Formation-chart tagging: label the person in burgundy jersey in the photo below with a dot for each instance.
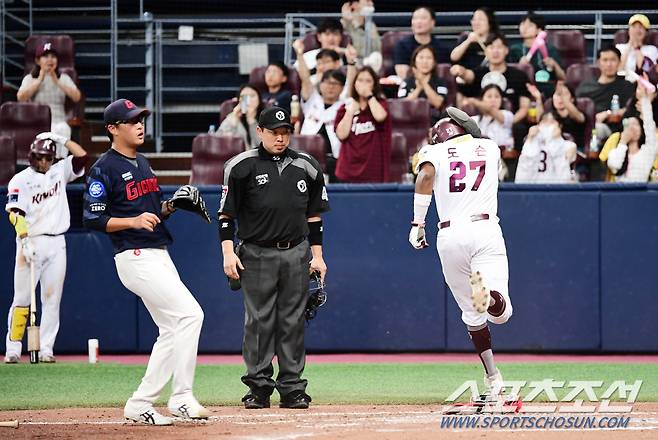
(364, 127)
(123, 199)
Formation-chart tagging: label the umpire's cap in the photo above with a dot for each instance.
(122, 110)
(274, 117)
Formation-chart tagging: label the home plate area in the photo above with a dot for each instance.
(320, 421)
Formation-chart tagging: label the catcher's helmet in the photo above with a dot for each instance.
(316, 295)
(46, 147)
(445, 129)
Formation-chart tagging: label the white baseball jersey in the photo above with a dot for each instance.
(42, 197)
(466, 180)
(545, 160)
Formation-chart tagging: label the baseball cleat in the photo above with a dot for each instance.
(12, 359)
(147, 416)
(47, 359)
(189, 410)
(480, 296)
(494, 384)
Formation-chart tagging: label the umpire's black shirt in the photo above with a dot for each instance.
(272, 196)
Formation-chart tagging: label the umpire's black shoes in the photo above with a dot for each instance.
(295, 400)
(254, 401)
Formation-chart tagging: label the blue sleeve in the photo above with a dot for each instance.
(95, 201)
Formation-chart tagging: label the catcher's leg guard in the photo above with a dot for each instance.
(18, 323)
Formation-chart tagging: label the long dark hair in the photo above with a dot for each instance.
(494, 28)
(243, 117)
(376, 88)
(640, 142)
(37, 68)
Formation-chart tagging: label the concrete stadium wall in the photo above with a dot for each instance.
(582, 276)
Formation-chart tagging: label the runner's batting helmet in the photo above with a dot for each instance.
(46, 147)
(445, 129)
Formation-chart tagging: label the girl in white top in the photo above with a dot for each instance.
(494, 121)
(634, 52)
(243, 120)
(46, 85)
(633, 158)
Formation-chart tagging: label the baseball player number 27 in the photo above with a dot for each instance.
(460, 168)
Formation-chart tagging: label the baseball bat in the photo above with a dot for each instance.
(33, 342)
(11, 424)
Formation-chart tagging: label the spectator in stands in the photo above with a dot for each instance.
(354, 19)
(517, 92)
(470, 49)
(423, 81)
(633, 158)
(603, 90)
(243, 120)
(635, 55)
(547, 70)
(422, 23)
(546, 156)
(494, 121)
(276, 77)
(329, 35)
(46, 85)
(320, 104)
(364, 127)
(567, 114)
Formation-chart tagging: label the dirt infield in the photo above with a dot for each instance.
(321, 422)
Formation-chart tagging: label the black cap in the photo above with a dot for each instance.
(122, 110)
(274, 117)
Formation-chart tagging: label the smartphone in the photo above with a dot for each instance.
(244, 104)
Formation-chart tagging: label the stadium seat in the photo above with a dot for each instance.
(209, 154)
(525, 68)
(389, 40)
(585, 105)
(63, 45)
(257, 78)
(7, 159)
(412, 119)
(310, 42)
(570, 44)
(399, 159)
(312, 144)
(621, 37)
(225, 108)
(443, 71)
(22, 121)
(577, 73)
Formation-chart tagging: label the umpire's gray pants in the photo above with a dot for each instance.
(275, 285)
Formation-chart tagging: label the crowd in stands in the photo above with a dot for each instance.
(554, 122)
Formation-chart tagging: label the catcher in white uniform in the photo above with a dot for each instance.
(39, 211)
(462, 170)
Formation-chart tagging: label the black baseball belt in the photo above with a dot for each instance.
(281, 245)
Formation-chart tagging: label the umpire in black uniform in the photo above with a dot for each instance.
(276, 195)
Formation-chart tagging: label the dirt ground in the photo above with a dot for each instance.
(319, 422)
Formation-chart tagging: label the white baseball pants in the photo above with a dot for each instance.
(151, 275)
(466, 247)
(49, 273)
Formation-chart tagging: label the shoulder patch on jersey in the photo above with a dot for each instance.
(13, 196)
(96, 189)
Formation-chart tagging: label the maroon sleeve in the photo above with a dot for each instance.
(339, 115)
(79, 163)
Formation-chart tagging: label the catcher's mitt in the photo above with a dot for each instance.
(317, 296)
(187, 197)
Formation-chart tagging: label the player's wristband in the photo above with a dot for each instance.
(315, 233)
(226, 229)
(421, 205)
